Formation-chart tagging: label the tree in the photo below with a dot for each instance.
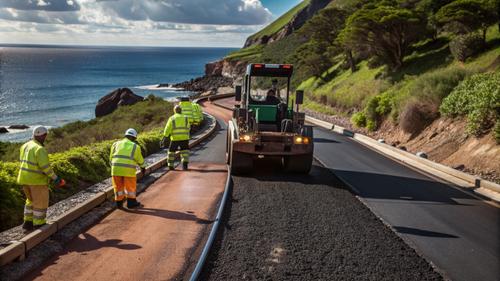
(465, 16)
(385, 30)
(322, 31)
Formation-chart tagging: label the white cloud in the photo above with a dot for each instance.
(43, 5)
(134, 22)
(228, 12)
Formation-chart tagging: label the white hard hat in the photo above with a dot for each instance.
(39, 131)
(131, 132)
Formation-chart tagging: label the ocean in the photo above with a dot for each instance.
(55, 85)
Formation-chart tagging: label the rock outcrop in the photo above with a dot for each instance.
(226, 68)
(205, 83)
(297, 22)
(111, 101)
(19, 127)
(3, 130)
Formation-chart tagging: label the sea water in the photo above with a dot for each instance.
(55, 85)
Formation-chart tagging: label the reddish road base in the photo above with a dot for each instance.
(152, 243)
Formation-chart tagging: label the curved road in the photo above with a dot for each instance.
(456, 231)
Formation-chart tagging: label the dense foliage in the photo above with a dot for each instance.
(478, 98)
(384, 30)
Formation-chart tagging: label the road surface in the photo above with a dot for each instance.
(455, 230)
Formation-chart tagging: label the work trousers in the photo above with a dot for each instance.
(124, 187)
(37, 202)
(182, 147)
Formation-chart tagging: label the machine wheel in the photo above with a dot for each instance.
(240, 163)
(298, 163)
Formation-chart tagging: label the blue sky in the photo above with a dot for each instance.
(278, 7)
(218, 23)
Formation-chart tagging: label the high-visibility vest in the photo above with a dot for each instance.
(125, 156)
(35, 167)
(177, 128)
(187, 110)
(197, 113)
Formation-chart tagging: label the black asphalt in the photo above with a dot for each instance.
(458, 232)
(280, 226)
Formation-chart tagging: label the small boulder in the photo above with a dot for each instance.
(3, 130)
(111, 101)
(459, 167)
(422, 155)
(19, 127)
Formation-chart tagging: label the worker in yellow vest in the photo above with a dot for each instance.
(187, 109)
(34, 174)
(197, 114)
(177, 129)
(125, 156)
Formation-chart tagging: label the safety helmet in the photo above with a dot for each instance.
(131, 132)
(39, 131)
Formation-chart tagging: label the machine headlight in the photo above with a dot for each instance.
(246, 138)
(301, 140)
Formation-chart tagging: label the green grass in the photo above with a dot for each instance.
(251, 53)
(143, 116)
(254, 52)
(280, 22)
(429, 75)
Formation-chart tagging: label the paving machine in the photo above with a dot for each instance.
(266, 121)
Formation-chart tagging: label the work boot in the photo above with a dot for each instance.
(184, 166)
(37, 226)
(133, 203)
(28, 226)
(119, 204)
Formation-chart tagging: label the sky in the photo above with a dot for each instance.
(194, 23)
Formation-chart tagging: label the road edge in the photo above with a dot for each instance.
(464, 181)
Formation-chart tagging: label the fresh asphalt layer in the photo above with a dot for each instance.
(456, 231)
(282, 226)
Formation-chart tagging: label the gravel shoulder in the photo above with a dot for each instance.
(280, 226)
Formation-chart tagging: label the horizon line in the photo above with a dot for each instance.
(108, 46)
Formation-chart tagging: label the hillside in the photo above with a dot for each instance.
(397, 66)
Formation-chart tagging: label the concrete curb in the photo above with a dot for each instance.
(18, 249)
(486, 188)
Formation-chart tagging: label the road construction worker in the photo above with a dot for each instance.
(197, 114)
(177, 129)
(34, 175)
(187, 109)
(125, 156)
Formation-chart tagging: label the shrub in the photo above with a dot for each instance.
(359, 119)
(11, 199)
(478, 98)
(497, 131)
(416, 115)
(466, 45)
(371, 125)
(436, 85)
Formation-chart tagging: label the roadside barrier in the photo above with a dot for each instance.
(486, 188)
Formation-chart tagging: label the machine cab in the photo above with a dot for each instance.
(265, 97)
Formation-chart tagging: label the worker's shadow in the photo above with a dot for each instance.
(90, 243)
(167, 214)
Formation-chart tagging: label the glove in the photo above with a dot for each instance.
(163, 142)
(143, 171)
(59, 182)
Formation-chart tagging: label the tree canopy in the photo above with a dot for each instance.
(385, 30)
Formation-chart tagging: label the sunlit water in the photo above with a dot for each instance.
(54, 85)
